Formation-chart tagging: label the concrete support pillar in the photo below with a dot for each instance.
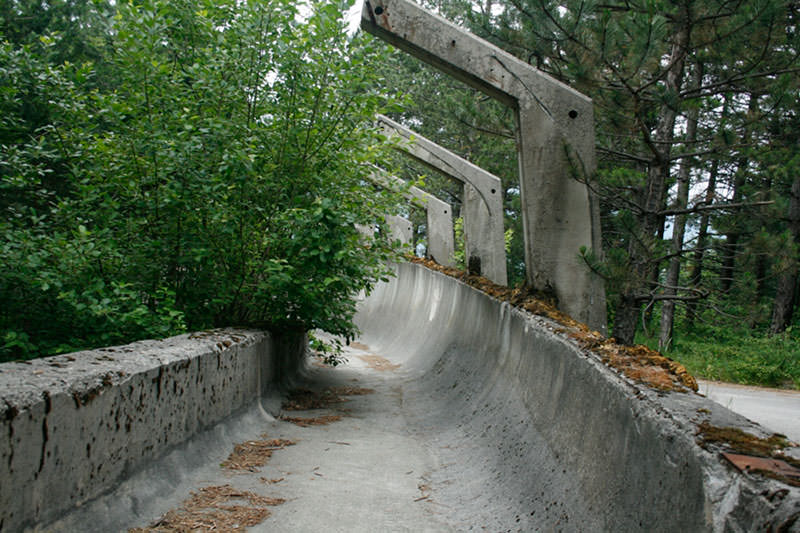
(555, 142)
(400, 229)
(482, 199)
(367, 231)
(439, 216)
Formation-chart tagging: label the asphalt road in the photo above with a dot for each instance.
(776, 409)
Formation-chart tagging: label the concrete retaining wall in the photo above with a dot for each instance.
(75, 425)
(523, 398)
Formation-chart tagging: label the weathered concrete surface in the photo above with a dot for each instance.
(439, 214)
(537, 434)
(75, 425)
(364, 473)
(555, 143)
(482, 417)
(482, 198)
(400, 228)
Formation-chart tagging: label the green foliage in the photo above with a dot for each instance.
(214, 178)
(458, 254)
(750, 358)
(330, 352)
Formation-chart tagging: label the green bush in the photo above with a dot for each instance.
(206, 170)
(753, 360)
(743, 355)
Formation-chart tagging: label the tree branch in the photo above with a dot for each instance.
(632, 157)
(702, 91)
(713, 207)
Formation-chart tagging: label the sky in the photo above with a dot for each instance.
(354, 17)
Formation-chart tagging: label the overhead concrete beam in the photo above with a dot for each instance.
(482, 199)
(400, 229)
(441, 243)
(555, 142)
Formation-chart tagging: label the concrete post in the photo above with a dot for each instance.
(439, 216)
(482, 199)
(367, 231)
(400, 229)
(555, 142)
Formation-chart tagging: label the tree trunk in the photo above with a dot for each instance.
(655, 267)
(728, 261)
(679, 225)
(785, 293)
(696, 275)
(731, 247)
(626, 318)
(641, 252)
(763, 259)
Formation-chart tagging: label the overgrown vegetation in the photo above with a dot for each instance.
(174, 166)
(725, 354)
(178, 165)
(696, 122)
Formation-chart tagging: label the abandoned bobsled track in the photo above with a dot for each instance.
(455, 411)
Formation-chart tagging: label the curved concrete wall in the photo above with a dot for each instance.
(550, 427)
(73, 426)
(525, 431)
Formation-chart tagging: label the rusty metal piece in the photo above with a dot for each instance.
(748, 463)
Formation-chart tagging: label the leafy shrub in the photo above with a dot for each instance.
(212, 177)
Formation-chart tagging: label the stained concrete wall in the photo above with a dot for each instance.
(531, 433)
(549, 434)
(75, 425)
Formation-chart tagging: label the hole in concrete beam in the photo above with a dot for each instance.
(573, 114)
(378, 10)
(493, 191)
(453, 42)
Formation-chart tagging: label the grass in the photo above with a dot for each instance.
(744, 357)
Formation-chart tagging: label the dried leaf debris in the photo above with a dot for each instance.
(306, 399)
(740, 441)
(252, 454)
(217, 508)
(305, 422)
(638, 363)
(351, 391)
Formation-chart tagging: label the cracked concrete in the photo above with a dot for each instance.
(482, 417)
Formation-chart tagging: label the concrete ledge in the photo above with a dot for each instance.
(550, 422)
(74, 425)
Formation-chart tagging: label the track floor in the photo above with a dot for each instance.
(353, 463)
(368, 471)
